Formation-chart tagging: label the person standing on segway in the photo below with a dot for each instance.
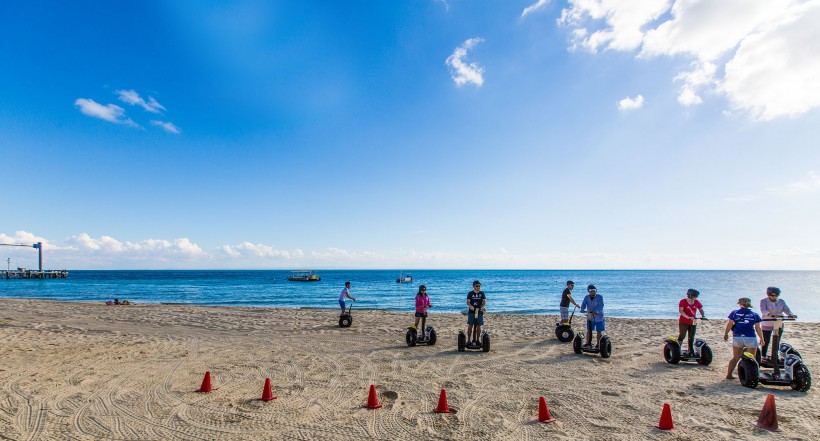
(744, 324)
(688, 308)
(422, 305)
(566, 299)
(593, 304)
(345, 294)
(476, 300)
(772, 307)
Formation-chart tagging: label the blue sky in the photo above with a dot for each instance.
(426, 134)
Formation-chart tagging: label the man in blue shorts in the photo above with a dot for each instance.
(476, 300)
(593, 304)
(345, 294)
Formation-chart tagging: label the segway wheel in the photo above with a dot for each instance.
(802, 378)
(345, 321)
(410, 337)
(671, 352)
(747, 372)
(485, 343)
(576, 344)
(462, 341)
(606, 347)
(432, 336)
(564, 333)
(705, 355)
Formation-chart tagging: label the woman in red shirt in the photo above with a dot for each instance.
(688, 308)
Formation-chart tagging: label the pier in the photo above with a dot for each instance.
(23, 273)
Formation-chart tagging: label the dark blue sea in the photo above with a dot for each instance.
(652, 294)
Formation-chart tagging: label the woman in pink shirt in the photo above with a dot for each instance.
(422, 305)
(688, 308)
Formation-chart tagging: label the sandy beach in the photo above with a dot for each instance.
(91, 371)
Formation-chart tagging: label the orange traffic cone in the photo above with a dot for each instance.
(544, 412)
(267, 394)
(768, 415)
(442, 403)
(206, 383)
(666, 418)
(372, 399)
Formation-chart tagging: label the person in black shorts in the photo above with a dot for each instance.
(566, 299)
(476, 300)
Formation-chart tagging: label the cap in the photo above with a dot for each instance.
(591, 287)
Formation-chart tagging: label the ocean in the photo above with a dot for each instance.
(641, 294)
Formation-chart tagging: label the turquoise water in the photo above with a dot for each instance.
(653, 294)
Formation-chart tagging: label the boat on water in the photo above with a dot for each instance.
(405, 279)
(303, 276)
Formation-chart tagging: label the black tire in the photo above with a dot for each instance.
(462, 341)
(747, 372)
(671, 352)
(345, 321)
(410, 337)
(802, 378)
(705, 355)
(564, 333)
(485, 343)
(606, 347)
(576, 344)
(432, 340)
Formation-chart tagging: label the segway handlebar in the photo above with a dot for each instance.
(779, 319)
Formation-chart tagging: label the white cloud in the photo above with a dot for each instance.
(624, 20)
(461, 72)
(766, 49)
(111, 112)
(807, 186)
(631, 103)
(534, 7)
(167, 126)
(132, 97)
(151, 248)
(248, 249)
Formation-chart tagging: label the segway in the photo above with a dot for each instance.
(429, 337)
(784, 349)
(563, 330)
(604, 349)
(345, 319)
(794, 372)
(673, 355)
(474, 343)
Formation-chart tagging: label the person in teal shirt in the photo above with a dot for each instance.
(593, 305)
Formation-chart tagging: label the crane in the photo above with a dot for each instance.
(38, 246)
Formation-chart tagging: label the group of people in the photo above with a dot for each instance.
(592, 305)
(749, 329)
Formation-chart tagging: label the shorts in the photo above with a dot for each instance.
(421, 314)
(596, 326)
(471, 320)
(740, 341)
(564, 313)
(342, 304)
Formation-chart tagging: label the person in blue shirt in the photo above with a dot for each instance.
(744, 324)
(593, 304)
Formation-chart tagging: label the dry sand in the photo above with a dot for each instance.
(90, 371)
